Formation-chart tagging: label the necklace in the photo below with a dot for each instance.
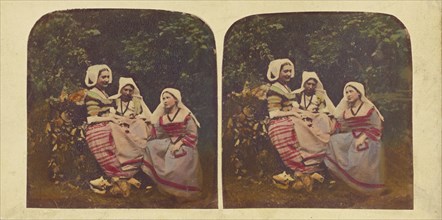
(357, 111)
(173, 118)
(309, 103)
(121, 106)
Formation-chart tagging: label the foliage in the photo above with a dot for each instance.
(184, 58)
(370, 48)
(247, 51)
(56, 56)
(340, 47)
(250, 152)
(70, 157)
(157, 48)
(365, 47)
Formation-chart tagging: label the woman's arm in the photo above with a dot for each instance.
(374, 132)
(190, 138)
(274, 104)
(93, 110)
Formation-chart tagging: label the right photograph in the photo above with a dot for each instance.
(317, 112)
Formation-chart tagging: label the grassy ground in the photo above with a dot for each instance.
(43, 193)
(261, 193)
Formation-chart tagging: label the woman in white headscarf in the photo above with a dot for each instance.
(312, 95)
(285, 123)
(171, 158)
(131, 133)
(99, 119)
(355, 153)
(316, 109)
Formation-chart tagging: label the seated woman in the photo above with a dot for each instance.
(285, 127)
(171, 158)
(316, 110)
(130, 135)
(99, 129)
(355, 153)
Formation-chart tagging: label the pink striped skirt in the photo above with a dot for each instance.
(284, 138)
(102, 145)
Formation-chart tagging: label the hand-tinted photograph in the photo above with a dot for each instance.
(317, 112)
(122, 110)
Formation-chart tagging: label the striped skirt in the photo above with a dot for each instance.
(283, 138)
(102, 145)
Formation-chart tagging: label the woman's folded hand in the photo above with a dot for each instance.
(176, 147)
(360, 140)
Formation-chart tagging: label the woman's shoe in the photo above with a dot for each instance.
(120, 187)
(97, 190)
(318, 177)
(125, 188)
(283, 178)
(97, 183)
(134, 182)
(307, 181)
(298, 185)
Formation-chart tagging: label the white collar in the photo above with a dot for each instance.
(285, 88)
(99, 92)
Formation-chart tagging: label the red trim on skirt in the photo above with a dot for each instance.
(353, 180)
(169, 183)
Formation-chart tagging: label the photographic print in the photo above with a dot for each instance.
(317, 112)
(220, 109)
(121, 110)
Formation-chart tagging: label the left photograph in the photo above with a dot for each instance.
(121, 110)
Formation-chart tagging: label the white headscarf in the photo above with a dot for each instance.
(160, 110)
(275, 69)
(124, 81)
(343, 105)
(319, 89)
(92, 74)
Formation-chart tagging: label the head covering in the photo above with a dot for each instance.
(343, 105)
(319, 89)
(124, 81)
(275, 69)
(160, 110)
(92, 74)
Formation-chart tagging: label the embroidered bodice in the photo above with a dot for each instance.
(280, 98)
(97, 103)
(369, 123)
(182, 127)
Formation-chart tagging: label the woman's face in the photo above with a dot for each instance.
(103, 79)
(285, 74)
(351, 94)
(168, 100)
(310, 86)
(127, 91)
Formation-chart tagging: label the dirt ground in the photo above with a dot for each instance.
(42, 193)
(255, 192)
